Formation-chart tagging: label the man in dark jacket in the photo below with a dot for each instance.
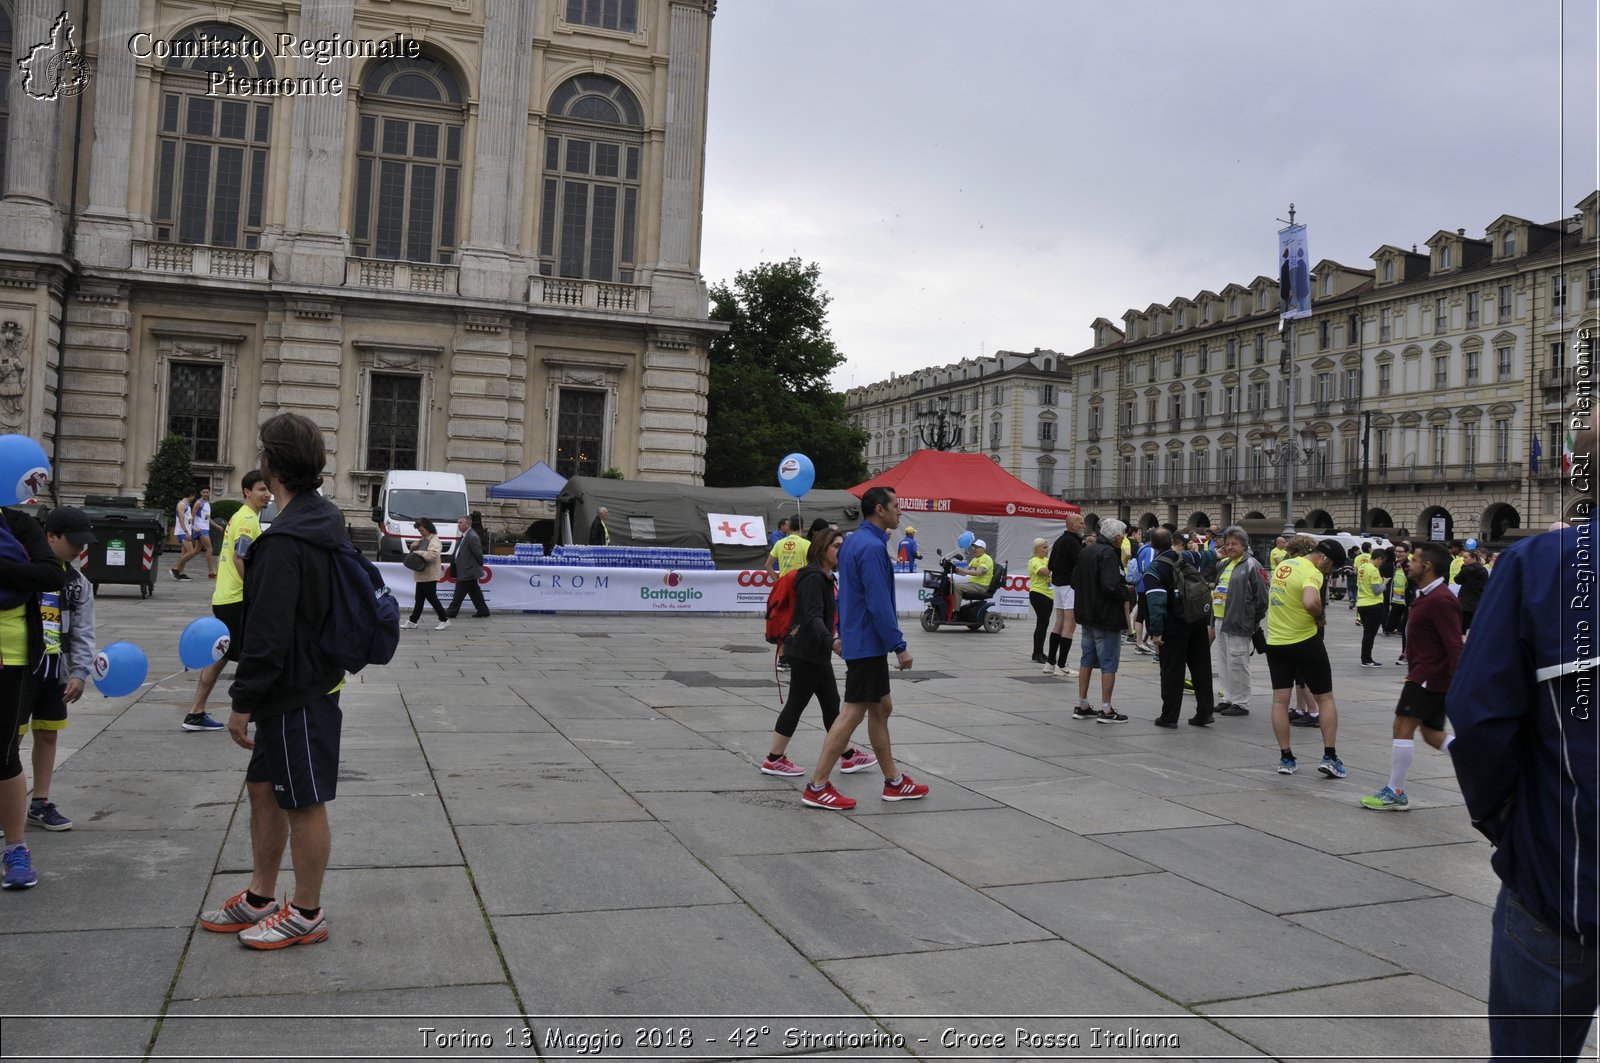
(1182, 645)
(599, 530)
(290, 691)
(1099, 592)
(467, 568)
(1470, 582)
(1063, 563)
(1525, 753)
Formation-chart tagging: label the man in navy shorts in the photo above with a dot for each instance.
(290, 691)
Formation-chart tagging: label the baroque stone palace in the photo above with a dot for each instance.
(458, 234)
(1431, 377)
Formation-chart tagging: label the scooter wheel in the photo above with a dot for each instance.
(929, 621)
(993, 623)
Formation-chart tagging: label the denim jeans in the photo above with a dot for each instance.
(1543, 987)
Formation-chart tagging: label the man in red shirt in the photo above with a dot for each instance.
(1433, 647)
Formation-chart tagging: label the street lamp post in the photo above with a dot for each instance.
(1292, 453)
(937, 430)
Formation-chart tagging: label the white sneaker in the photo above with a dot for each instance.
(1049, 669)
(441, 625)
(1066, 673)
(409, 625)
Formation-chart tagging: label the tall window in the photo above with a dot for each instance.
(1324, 334)
(1441, 315)
(1261, 349)
(1380, 447)
(1230, 400)
(1474, 358)
(1047, 479)
(1469, 446)
(1385, 378)
(1175, 408)
(1438, 447)
(1502, 363)
(1096, 420)
(1177, 363)
(620, 15)
(589, 214)
(1091, 475)
(1508, 243)
(408, 162)
(1502, 441)
(1232, 359)
(1205, 359)
(1504, 313)
(1227, 464)
(1324, 388)
(1472, 309)
(1047, 394)
(1558, 294)
(1384, 324)
(1047, 433)
(580, 432)
(1441, 372)
(1127, 470)
(1593, 294)
(394, 422)
(1201, 401)
(211, 153)
(1128, 415)
(1150, 471)
(1353, 330)
(194, 407)
(1352, 384)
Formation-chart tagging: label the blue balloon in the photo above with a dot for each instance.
(24, 469)
(1472, 544)
(965, 539)
(796, 474)
(119, 669)
(204, 642)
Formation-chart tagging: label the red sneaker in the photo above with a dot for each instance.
(828, 797)
(857, 760)
(906, 790)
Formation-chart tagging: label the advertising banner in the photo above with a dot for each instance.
(1294, 273)
(540, 588)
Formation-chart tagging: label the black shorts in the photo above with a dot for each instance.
(42, 706)
(231, 614)
(298, 753)
(1307, 660)
(1419, 704)
(866, 680)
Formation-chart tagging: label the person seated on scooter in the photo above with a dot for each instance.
(979, 572)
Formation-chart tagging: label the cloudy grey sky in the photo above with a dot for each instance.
(996, 175)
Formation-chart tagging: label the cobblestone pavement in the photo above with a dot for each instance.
(542, 818)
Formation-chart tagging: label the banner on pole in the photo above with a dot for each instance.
(1294, 274)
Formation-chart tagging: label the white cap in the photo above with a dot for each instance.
(980, 542)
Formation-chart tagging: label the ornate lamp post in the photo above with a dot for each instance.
(938, 430)
(1293, 452)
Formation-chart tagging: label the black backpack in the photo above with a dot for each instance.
(1194, 596)
(363, 623)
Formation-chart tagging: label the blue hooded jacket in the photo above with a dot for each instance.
(1523, 705)
(868, 625)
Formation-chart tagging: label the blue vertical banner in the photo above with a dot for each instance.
(1294, 274)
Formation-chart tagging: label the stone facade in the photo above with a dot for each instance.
(1017, 408)
(538, 181)
(1457, 356)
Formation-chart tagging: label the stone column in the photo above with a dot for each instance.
(677, 288)
(302, 359)
(96, 408)
(672, 414)
(489, 264)
(30, 219)
(105, 232)
(487, 394)
(315, 248)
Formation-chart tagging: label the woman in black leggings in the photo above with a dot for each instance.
(27, 566)
(809, 648)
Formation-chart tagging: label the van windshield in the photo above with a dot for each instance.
(441, 507)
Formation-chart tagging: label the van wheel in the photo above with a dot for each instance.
(929, 621)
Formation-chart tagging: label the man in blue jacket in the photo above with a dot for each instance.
(869, 631)
(1523, 706)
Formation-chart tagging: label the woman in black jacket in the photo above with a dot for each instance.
(809, 648)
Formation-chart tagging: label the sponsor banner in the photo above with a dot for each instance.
(540, 588)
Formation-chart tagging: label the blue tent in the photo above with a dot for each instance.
(541, 481)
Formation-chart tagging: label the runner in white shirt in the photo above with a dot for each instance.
(201, 514)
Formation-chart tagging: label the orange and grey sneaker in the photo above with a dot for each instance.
(236, 913)
(286, 927)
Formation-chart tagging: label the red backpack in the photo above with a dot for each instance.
(780, 607)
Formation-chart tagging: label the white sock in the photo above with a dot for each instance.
(1400, 757)
(1105, 706)
(1447, 740)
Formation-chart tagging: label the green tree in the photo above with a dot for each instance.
(169, 474)
(769, 391)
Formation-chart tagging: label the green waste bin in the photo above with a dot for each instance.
(129, 549)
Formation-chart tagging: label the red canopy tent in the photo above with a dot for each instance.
(943, 493)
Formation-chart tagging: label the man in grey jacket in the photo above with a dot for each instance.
(467, 568)
(1239, 604)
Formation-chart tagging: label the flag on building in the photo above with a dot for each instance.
(1566, 455)
(1534, 454)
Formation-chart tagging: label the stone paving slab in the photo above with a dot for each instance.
(660, 733)
(105, 801)
(1190, 943)
(1272, 874)
(1444, 868)
(510, 797)
(756, 822)
(587, 867)
(1002, 847)
(430, 933)
(1163, 774)
(867, 903)
(1442, 938)
(510, 716)
(1351, 1019)
(968, 762)
(85, 973)
(391, 831)
(1325, 814)
(1087, 805)
(513, 751)
(1056, 738)
(112, 877)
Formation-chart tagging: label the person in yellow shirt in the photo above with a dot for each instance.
(1369, 606)
(1458, 557)
(1278, 554)
(790, 552)
(227, 600)
(979, 572)
(1040, 595)
(1295, 617)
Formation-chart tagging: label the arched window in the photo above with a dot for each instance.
(211, 152)
(589, 213)
(408, 162)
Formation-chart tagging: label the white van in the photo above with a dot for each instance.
(409, 494)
